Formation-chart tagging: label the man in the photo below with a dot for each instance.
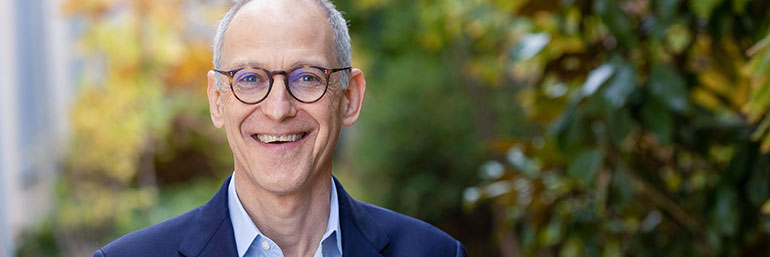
(282, 89)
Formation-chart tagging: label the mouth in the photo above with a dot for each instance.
(270, 139)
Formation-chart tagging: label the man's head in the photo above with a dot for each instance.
(280, 144)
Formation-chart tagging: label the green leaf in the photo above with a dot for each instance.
(623, 188)
(585, 166)
(596, 78)
(619, 124)
(763, 126)
(739, 6)
(621, 86)
(567, 128)
(616, 21)
(756, 188)
(668, 12)
(658, 120)
(612, 249)
(725, 219)
(572, 248)
(760, 101)
(668, 8)
(704, 8)
(529, 46)
(666, 84)
(553, 232)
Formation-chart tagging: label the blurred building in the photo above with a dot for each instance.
(36, 85)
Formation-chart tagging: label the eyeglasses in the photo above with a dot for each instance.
(306, 83)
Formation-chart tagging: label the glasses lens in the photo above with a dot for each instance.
(307, 84)
(251, 85)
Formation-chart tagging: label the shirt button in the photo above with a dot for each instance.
(265, 245)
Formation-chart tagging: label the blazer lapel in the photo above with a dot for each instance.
(210, 232)
(361, 236)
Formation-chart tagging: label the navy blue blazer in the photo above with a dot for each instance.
(367, 230)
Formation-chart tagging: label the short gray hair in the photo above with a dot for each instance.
(337, 23)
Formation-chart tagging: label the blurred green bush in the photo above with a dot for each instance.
(613, 128)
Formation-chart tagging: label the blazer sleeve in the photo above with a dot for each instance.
(98, 253)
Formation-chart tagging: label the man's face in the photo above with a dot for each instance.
(280, 35)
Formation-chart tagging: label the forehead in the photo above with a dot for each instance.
(278, 33)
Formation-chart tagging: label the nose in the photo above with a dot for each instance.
(279, 104)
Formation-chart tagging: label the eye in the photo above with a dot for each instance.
(249, 78)
(307, 78)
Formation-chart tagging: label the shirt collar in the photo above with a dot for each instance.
(333, 226)
(246, 231)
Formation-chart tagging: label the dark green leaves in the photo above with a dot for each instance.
(725, 216)
(616, 20)
(585, 166)
(669, 87)
(658, 120)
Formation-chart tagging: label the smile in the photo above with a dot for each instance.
(269, 139)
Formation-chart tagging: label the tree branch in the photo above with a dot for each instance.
(662, 201)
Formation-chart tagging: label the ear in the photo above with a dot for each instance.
(354, 97)
(215, 100)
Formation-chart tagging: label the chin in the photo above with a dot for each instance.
(283, 180)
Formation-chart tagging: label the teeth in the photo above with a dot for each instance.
(285, 138)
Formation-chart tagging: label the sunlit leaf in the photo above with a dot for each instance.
(596, 78)
(552, 233)
(761, 129)
(529, 46)
(766, 207)
(620, 87)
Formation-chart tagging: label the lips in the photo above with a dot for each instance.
(273, 139)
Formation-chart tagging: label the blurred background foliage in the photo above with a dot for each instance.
(522, 128)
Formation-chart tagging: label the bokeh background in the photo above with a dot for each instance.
(520, 127)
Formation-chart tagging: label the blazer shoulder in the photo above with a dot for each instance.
(417, 236)
(161, 239)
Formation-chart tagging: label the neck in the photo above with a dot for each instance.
(295, 221)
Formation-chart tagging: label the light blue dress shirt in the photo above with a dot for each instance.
(251, 243)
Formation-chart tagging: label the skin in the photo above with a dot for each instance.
(284, 188)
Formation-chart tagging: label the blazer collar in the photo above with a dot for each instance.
(210, 232)
(361, 236)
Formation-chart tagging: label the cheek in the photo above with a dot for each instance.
(235, 114)
(335, 105)
(331, 122)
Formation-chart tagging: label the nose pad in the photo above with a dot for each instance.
(279, 105)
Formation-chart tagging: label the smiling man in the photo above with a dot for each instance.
(282, 88)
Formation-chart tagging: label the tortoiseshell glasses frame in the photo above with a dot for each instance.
(252, 85)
